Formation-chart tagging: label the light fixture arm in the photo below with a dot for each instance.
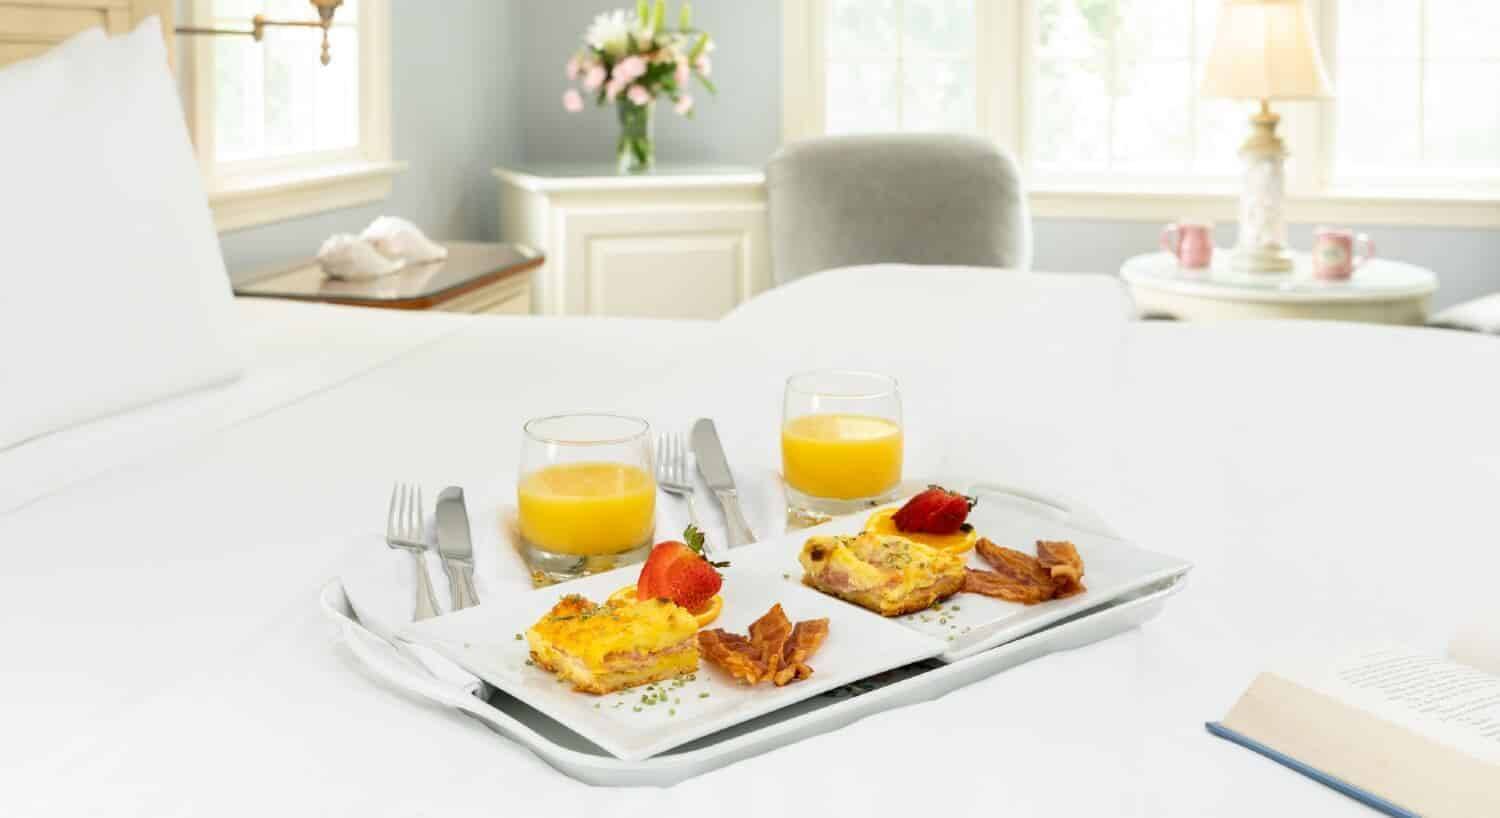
(259, 23)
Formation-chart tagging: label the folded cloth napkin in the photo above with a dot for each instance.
(351, 258)
(400, 239)
(381, 583)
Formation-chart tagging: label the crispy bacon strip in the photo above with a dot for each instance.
(1063, 564)
(805, 640)
(775, 650)
(732, 652)
(1000, 586)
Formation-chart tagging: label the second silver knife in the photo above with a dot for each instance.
(715, 469)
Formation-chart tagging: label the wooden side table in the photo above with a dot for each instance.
(477, 277)
(1380, 292)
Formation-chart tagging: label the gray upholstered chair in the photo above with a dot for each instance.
(907, 198)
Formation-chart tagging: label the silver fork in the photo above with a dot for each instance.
(404, 530)
(672, 472)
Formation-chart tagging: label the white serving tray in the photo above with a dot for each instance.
(576, 756)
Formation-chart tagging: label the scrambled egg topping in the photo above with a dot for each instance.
(892, 566)
(578, 627)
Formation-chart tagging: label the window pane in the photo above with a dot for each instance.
(1152, 127)
(1463, 28)
(1223, 125)
(1065, 30)
(939, 96)
(1379, 28)
(938, 27)
(1155, 28)
(863, 28)
(1073, 115)
(861, 97)
(275, 98)
(1463, 124)
(1377, 105)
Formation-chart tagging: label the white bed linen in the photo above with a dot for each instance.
(165, 656)
(296, 350)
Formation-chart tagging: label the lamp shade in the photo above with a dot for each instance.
(1264, 49)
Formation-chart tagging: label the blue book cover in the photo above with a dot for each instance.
(1361, 795)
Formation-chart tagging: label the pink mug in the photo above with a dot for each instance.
(1337, 253)
(1191, 242)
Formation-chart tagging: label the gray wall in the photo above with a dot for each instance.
(454, 115)
(743, 124)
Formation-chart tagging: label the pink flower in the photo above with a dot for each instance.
(684, 104)
(630, 68)
(639, 95)
(613, 89)
(572, 101)
(704, 65)
(594, 78)
(574, 68)
(680, 74)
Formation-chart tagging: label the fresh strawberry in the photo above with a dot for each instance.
(934, 511)
(678, 571)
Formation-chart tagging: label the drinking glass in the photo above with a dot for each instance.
(586, 494)
(841, 443)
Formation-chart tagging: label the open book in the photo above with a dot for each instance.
(1406, 733)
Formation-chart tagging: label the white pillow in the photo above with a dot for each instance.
(113, 291)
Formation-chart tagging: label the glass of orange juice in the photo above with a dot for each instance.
(841, 443)
(586, 497)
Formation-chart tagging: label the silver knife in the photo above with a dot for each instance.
(455, 547)
(715, 470)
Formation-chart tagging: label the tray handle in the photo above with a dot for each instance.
(1077, 515)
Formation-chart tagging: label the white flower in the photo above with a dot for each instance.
(610, 33)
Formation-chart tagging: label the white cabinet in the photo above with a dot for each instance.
(680, 242)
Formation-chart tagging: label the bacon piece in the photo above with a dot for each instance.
(732, 652)
(775, 650)
(1063, 565)
(805, 640)
(990, 583)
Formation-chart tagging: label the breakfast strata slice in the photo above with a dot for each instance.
(889, 575)
(604, 648)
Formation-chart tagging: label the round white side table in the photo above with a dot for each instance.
(1380, 292)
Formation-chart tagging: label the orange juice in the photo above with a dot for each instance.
(587, 509)
(841, 457)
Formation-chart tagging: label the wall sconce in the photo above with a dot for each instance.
(259, 23)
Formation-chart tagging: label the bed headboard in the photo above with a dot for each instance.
(29, 27)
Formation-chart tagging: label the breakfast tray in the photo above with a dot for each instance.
(576, 756)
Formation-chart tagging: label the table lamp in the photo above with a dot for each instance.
(1264, 50)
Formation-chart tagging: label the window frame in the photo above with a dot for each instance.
(247, 193)
(1005, 111)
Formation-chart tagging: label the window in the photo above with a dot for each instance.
(1099, 100)
(1418, 88)
(278, 133)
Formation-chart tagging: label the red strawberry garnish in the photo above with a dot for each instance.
(679, 572)
(934, 511)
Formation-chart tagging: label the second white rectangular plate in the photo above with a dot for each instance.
(483, 640)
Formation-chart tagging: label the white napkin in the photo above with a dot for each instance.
(381, 582)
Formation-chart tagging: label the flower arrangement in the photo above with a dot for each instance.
(629, 59)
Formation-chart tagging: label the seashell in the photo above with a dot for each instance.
(398, 238)
(351, 258)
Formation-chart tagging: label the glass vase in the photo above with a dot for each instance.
(636, 149)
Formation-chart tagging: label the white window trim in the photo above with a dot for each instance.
(271, 191)
(1002, 28)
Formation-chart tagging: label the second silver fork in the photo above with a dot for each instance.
(672, 472)
(405, 529)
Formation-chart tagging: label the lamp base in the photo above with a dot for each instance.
(1262, 260)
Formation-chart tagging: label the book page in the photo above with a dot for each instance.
(1445, 701)
(1477, 643)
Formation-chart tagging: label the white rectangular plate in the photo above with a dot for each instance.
(483, 641)
(970, 623)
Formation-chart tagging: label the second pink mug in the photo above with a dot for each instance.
(1191, 242)
(1337, 253)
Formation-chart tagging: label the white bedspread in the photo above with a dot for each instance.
(164, 655)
